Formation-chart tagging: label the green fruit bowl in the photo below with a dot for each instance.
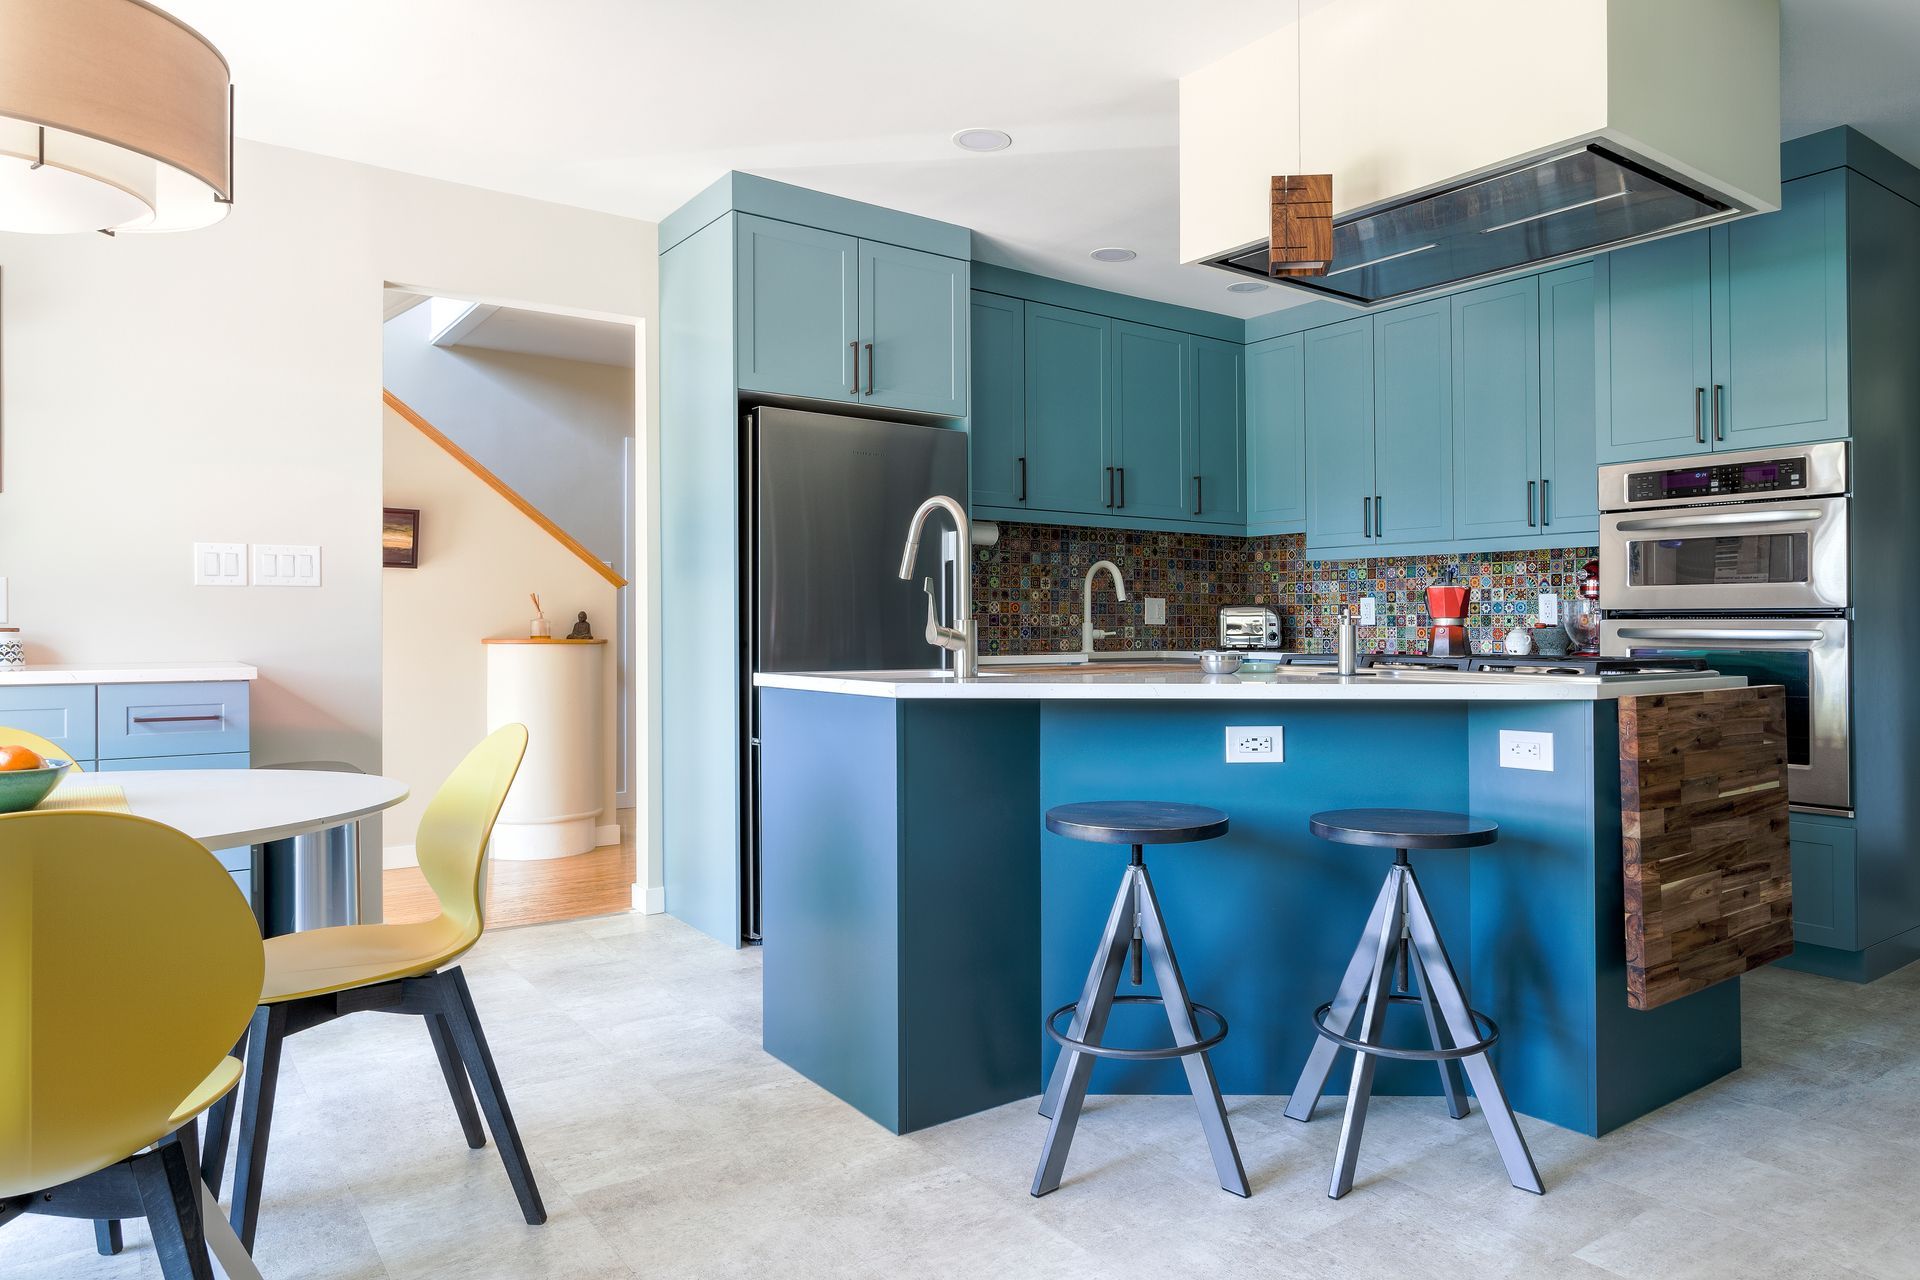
(21, 789)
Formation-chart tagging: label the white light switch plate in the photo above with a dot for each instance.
(1549, 608)
(1369, 611)
(3, 599)
(1156, 611)
(1524, 749)
(276, 565)
(219, 564)
(1256, 744)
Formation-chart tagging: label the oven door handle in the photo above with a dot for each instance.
(1787, 634)
(1658, 524)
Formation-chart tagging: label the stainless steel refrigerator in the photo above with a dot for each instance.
(828, 500)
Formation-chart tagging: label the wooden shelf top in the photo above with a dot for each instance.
(539, 640)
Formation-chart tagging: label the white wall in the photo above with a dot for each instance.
(225, 385)
(480, 556)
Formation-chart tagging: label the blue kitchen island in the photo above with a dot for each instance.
(918, 920)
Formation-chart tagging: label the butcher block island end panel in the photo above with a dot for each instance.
(1704, 846)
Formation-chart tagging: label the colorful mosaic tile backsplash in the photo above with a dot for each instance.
(1027, 589)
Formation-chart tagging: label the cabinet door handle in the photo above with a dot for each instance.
(1546, 493)
(214, 719)
(1531, 484)
(1023, 479)
(1719, 418)
(1109, 487)
(1199, 503)
(854, 346)
(1379, 516)
(1120, 473)
(1700, 415)
(1366, 517)
(869, 368)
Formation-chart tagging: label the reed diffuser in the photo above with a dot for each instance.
(538, 628)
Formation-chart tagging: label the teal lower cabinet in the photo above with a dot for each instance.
(63, 714)
(1824, 882)
(1276, 436)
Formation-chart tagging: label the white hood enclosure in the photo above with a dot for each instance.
(1473, 138)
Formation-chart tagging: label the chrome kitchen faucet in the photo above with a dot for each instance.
(963, 637)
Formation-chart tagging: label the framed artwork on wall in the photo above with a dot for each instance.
(400, 538)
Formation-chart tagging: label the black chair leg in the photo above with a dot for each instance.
(213, 1148)
(107, 1238)
(456, 1076)
(168, 1179)
(256, 1117)
(468, 1038)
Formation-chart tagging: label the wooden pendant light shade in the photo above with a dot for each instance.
(1302, 240)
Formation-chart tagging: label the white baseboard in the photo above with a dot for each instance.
(398, 855)
(604, 836)
(650, 902)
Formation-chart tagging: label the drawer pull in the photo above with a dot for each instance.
(177, 719)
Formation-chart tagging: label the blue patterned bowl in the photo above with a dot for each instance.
(21, 789)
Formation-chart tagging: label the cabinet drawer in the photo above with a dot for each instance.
(1824, 882)
(62, 714)
(139, 721)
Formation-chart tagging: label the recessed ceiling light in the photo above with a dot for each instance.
(982, 140)
(1246, 286)
(1113, 254)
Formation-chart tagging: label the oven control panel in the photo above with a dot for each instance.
(1732, 479)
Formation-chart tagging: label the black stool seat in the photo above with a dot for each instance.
(1136, 822)
(1403, 828)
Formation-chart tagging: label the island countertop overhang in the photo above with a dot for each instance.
(1194, 686)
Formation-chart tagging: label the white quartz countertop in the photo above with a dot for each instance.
(1298, 684)
(130, 673)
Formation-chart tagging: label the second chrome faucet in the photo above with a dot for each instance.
(1088, 632)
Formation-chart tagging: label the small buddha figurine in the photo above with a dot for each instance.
(581, 631)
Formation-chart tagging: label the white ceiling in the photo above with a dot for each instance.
(631, 106)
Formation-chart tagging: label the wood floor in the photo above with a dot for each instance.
(589, 884)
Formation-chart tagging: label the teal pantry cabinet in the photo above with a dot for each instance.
(830, 316)
(1732, 338)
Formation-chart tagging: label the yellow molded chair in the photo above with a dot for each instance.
(323, 974)
(34, 743)
(129, 964)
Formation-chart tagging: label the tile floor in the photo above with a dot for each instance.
(667, 1144)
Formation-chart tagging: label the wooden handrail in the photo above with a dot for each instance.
(499, 486)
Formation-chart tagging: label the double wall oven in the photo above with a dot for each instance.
(1740, 558)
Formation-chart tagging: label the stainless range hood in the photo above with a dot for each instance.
(1575, 202)
(1471, 141)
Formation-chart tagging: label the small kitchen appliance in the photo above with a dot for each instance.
(1246, 626)
(1447, 611)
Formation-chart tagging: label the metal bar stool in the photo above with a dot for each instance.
(1134, 926)
(1400, 942)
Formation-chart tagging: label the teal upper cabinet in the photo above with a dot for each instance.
(1569, 487)
(1069, 369)
(1496, 410)
(798, 309)
(913, 330)
(1780, 320)
(1148, 441)
(833, 317)
(1654, 340)
(1338, 361)
(1216, 382)
(1413, 423)
(998, 428)
(1734, 338)
(1276, 436)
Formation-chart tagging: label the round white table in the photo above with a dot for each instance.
(225, 808)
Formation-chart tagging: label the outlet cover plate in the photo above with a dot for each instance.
(1525, 749)
(1549, 608)
(1256, 744)
(219, 564)
(1156, 611)
(1369, 611)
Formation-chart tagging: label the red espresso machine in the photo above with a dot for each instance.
(1447, 612)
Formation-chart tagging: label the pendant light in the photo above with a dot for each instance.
(1301, 239)
(114, 116)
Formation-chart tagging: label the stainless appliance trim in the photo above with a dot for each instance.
(1825, 782)
(1828, 472)
(1824, 520)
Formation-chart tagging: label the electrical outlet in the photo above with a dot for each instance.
(1524, 749)
(1549, 608)
(1369, 611)
(1156, 611)
(219, 564)
(1255, 744)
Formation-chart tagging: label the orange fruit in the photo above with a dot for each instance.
(20, 758)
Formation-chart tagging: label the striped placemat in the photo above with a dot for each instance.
(103, 796)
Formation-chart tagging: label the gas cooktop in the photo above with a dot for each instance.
(1533, 664)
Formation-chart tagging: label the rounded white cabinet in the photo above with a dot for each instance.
(555, 688)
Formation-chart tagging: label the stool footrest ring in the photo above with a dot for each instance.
(1489, 1033)
(1139, 1055)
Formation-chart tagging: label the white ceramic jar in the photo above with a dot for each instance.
(13, 651)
